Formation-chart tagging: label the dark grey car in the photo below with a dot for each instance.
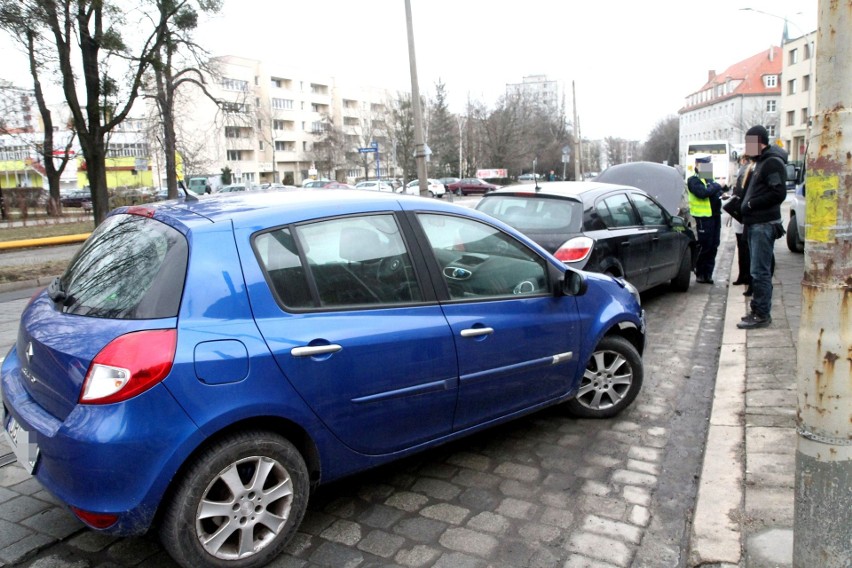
(609, 228)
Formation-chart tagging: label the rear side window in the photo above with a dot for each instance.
(131, 267)
(535, 214)
(348, 262)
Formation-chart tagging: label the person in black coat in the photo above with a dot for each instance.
(761, 211)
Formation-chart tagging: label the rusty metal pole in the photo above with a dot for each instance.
(419, 142)
(822, 532)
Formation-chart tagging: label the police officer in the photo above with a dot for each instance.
(705, 205)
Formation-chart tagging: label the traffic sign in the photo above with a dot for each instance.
(367, 150)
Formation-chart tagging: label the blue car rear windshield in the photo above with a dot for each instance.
(131, 267)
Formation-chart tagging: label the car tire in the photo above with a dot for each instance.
(793, 242)
(611, 381)
(269, 518)
(680, 283)
(430, 193)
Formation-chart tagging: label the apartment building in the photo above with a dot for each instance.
(729, 103)
(274, 125)
(536, 88)
(798, 94)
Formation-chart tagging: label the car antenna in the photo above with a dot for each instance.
(535, 177)
(187, 196)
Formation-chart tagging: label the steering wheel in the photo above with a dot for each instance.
(525, 287)
(388, 266)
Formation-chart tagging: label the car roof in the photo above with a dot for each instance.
(264, 208)
(581, 190)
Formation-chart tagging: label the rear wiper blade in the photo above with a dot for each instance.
(55, 290)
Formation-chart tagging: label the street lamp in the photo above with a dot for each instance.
(811, 57)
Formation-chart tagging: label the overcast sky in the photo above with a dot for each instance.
(632, 62)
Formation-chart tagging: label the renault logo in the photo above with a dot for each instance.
(29, 353)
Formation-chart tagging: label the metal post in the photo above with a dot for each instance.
(576, 136)
(822, 533)
(419, 143)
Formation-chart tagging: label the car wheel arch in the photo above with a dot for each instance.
(283, 427)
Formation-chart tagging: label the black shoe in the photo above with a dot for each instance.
(739, 282)
(748, 291)
(754, 321)
(703, 280)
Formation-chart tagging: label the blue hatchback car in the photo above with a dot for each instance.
(202, 364)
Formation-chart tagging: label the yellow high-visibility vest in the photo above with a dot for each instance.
(700, 207)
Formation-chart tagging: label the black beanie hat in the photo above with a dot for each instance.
(760, 132)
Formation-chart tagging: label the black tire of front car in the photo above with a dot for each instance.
(680, 283)
(255, 481)
(793, 241)
(611, 381)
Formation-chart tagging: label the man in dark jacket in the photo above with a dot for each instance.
(761, 210)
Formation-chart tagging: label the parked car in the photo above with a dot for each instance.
(434, 188)
(78, 198)
(206, 363)
(796, 224)
(664, 183)
(327, 184)
(374, 185)
(471, 185)
(528, 177)
(312, 183)
(234, 188)
(614, 229)
(447, 181)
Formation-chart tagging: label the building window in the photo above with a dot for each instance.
(237, 108)
(771, 81)
(280, 83)
(791, 118)
(285, 146)
(794, 57)
(233, 132)
(234, 85)
(809, 50)
(318, 127)
(282, 104)
(791, 87)
(770, 106)
(806, 83)
(771, 130)
(260, 145)
(804, 116)
(235, 155)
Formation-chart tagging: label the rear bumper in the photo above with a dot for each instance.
(105, 459)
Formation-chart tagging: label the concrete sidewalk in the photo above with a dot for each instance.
(744, 512)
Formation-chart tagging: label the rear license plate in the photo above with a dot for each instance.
(20, 439)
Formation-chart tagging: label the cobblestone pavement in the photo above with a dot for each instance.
(547, 490)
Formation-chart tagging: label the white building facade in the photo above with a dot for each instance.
(272, 117)
(729, 103)
(798, 94)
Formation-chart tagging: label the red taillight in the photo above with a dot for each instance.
(95, 520)
(129, 365)
(575, 249)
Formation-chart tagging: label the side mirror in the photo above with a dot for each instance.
(734, 155)
(678, 222)
(574, 283)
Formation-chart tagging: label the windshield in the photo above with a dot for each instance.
(131, 267)
(534, 213)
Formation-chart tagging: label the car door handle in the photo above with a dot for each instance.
(476, 332)
(313, 350)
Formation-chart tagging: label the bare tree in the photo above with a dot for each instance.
(94, 31)
(663, 142)
(330, 148)
(14, 19)
(400, 131)
(443, 134)
(177, 20)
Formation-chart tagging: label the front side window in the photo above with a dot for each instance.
(650, 212)
(349, 262)
(479, 261)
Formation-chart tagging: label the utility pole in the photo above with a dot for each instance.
(822, 533)
(576, 136)
(419, 143)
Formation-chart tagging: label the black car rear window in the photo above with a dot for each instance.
(534, 213)
(131, 267)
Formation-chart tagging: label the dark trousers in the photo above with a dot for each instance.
(709, 231)
(743, 258)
